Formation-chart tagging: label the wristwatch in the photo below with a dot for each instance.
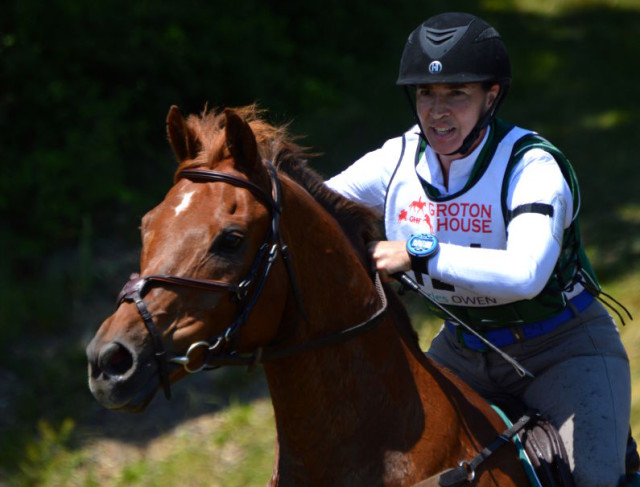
(420, 247)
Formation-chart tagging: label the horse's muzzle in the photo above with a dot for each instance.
(119, 377)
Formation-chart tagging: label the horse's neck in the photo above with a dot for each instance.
(370, 409)
(344, 373)
(361, 388)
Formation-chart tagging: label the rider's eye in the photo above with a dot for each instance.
(228, 241)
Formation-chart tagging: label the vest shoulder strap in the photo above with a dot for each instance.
(535, 141)
(573, 263)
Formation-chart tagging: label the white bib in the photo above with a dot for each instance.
(471, 217)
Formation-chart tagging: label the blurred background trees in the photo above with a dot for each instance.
(85, 88)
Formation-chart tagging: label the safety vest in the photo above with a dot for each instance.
(478, 216)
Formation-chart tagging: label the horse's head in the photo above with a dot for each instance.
(207, 251)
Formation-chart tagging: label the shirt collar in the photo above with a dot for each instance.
(429, 169)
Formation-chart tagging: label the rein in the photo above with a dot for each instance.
(264, 355)
(216, 349)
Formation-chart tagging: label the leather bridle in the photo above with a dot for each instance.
(220, 350)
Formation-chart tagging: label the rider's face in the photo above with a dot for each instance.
(448, 112)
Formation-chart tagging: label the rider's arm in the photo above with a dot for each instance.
(533, 240)
(366, 180)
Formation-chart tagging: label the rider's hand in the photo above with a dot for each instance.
(389, 257)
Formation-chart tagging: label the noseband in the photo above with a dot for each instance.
(216, 350)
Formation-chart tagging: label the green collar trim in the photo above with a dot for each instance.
(499, 129)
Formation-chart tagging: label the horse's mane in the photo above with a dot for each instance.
(276, 145)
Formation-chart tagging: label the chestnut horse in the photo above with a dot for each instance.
(245, 264)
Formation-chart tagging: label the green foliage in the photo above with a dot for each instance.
(235, 450)
(42, 455)
(86, 87)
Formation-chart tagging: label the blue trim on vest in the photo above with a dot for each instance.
(502, 337)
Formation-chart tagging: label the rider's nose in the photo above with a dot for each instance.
(439, 107)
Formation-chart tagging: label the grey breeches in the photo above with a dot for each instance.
(582, 383)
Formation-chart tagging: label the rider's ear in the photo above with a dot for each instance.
(241, 141)
(183, 141)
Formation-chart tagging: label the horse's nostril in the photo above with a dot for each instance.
(115, 359)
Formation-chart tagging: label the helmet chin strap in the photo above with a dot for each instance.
(468, 141)
(412, 105)
(482, 123)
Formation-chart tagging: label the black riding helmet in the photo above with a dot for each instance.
(456, 48)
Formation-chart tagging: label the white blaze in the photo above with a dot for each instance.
(184, 204)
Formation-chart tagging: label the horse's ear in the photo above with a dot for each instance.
(183, 141)
(240, 140)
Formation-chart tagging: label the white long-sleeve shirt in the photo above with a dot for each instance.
(521, 268)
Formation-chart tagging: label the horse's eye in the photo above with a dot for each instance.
(228, 242)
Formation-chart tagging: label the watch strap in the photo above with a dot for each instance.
(419, 266)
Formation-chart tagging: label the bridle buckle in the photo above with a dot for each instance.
(242, 290)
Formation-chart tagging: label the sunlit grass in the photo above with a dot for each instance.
(555, 7)
(629, 213)
(627, 291)
(609, 119)
(232, 448)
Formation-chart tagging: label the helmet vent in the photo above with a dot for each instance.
(438, 41)
(440, 36)
(489, 33)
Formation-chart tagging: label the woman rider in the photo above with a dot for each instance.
(484, 215)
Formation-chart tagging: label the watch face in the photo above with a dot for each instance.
(422, 245)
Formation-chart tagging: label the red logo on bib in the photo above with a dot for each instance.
(416, 214)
